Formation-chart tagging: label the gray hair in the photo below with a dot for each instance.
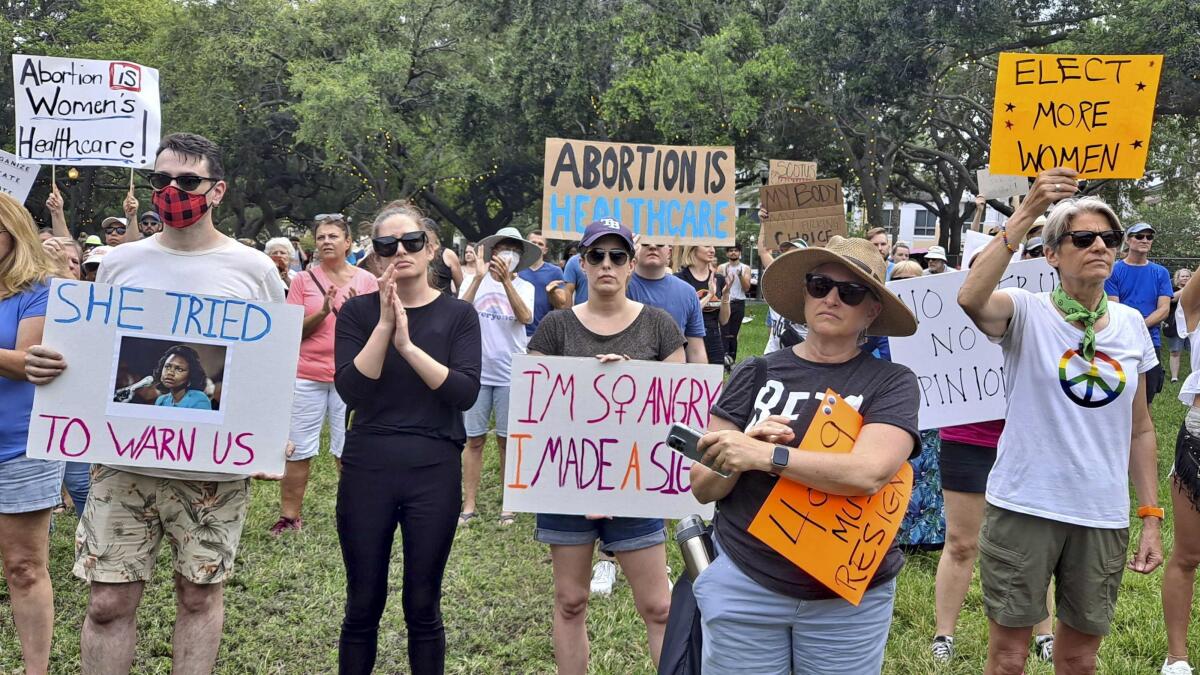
(397, 208)
(279, 242)
(1064, 213)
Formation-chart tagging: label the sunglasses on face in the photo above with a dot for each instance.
(1034, 252)
(1085, 238)
(1148, 236)
(321, 217)
(187, 183)
(114, 230)
(386, 247)
(618, 256)
(852, 294)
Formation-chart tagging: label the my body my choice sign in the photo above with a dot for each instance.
(586, 437)
(166, 379)
(87, 112)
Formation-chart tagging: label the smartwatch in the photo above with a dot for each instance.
(779, 459)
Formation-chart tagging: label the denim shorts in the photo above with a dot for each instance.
(615, 534)
(478, 418)
(28, 485)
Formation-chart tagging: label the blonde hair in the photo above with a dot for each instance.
(1065, 211)
(687, 256)
(909, 267)
(1179, 273)
(27, 264)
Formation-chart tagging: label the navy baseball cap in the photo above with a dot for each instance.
(604, 227)
(1138, 227)
(151, 215)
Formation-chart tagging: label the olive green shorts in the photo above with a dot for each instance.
(1019, 553)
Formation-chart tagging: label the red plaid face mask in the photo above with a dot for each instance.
(179, 209)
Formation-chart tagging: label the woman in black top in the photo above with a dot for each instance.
(699, 271)
(408, 361)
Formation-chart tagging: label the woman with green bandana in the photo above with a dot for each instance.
(1058, 494)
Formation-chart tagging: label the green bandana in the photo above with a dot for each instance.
(1075, 311)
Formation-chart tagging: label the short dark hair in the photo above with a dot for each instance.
(735, 246)
(197, 147)
(197, 379)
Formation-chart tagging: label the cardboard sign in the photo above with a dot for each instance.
(814, 211)
(586, 437)
(994, 186)
(667, 194)
(840, 541)
(166, 379)
(789, 171)
(86, 112)
(16, 177)
(960, 371)
(1087, 112)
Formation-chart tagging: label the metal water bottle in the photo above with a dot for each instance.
(695, 544)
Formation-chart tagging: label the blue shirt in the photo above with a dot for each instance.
(16, 398)
(672, 294)
(573, 274)
(540, 278)
(1140, 287)
(192, 399)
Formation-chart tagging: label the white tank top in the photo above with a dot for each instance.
(1191, 386)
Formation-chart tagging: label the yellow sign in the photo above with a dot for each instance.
(1087, 112)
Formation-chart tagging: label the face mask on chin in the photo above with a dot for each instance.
(179, 209)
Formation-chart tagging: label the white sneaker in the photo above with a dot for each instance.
(604, 576)
(1177, 668)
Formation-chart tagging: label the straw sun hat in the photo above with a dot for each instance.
(783, 283)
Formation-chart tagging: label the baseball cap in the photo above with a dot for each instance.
(92, 240)
(1138, 227)
(151, 215)
(603, 227)
(793, 244)
(114, 219)
(936, 253)
(94, 256)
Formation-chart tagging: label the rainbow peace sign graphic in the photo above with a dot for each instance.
(1091, 385)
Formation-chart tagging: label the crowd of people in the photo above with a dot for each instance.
(406, 357)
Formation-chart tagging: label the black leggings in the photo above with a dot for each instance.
(737, 312)
(379, 488)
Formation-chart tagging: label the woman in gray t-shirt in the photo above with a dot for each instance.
(610, 327)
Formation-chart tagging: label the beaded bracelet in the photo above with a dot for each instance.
(1004, 236)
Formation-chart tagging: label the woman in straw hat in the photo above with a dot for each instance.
(1058, 494)
(751, 594)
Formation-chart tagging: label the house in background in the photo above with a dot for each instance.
(919, 227)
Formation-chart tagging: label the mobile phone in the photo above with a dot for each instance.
(683, 439)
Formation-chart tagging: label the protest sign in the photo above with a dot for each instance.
(790, 171)
(838, 540)
(16, 177)
(166, 379)
(994, 186)
(87, 112)
(1091, 113)
(666, 194)
(959, 371)
(973, 242)
(586, 437)
(813, 211)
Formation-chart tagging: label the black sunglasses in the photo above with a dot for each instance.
(1085, 238)
(321, 217)
(618, 256)
(852, 294)
(1034, 252)
(1148, 236)
(386, 247)
(120, 229)
(187, 183)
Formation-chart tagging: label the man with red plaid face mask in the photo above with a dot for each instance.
(190, 256)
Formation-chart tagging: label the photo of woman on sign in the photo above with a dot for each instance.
(181, 376)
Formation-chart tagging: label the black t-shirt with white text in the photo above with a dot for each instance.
(881, 391)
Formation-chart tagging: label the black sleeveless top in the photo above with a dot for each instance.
(440, 276)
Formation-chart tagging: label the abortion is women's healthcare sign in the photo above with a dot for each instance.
(586, 437)
(166, 379)
(85, 112)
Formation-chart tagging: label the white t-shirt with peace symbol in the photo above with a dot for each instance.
(1064, 453)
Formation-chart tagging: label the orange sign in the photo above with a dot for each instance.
(1088, 112)
(840, 541)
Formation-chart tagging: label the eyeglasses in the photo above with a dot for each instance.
(187, 183)
(618, 256)
(115, 230)
(1148, 236)
(386, 247)
(852, 294)
(322, 217)
(1085, 238)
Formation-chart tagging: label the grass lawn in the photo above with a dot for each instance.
(284, 604)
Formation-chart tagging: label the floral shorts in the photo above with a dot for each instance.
(128, 515)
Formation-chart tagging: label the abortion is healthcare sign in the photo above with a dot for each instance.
(166, 379)
(587, 438)
(85, 112)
